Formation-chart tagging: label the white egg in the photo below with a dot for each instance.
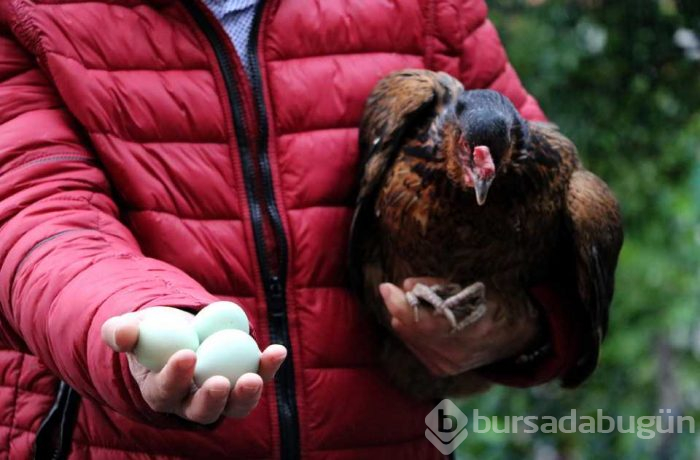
(229, 353)
(162, 332)
(218, 316)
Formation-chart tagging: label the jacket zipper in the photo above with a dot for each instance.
(272, 259)
(54, 436)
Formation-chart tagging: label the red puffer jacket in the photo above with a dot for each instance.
(140, 166)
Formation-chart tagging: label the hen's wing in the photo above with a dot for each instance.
(397, 101)
(395, 105)
(595, 226)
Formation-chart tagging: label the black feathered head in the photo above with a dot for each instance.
(488, 131)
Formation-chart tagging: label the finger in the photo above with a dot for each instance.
(436, 364)
(428, 324)
(396, 303)
(270, 361)
(414, 333)
(207, 403)
(164, 391)
(454, 350)
(435, 354)
(410, 283)
(245, 396)
(138, 371)
(446, 356)
(121, 332)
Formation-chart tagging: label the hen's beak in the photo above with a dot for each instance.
(481, 188)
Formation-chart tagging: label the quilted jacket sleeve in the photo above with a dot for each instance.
(483, 62)
(66, 262)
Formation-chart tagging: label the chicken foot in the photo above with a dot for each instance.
(448, 298)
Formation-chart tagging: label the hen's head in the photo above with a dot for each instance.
(482, 135)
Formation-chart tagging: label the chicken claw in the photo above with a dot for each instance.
(470, 300)
(430, 295)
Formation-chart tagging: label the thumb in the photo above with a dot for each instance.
(396, 303)
(121, 332)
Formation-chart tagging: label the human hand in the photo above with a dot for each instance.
(492, 338)
(172, 389)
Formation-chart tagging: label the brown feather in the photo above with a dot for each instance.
(416, 218)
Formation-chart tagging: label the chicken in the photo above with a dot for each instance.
(456, 185)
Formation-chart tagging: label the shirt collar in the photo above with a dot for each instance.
(222, 7)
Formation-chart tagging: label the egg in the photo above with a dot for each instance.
(170, 311)
(229, 353)
(162, 332)
(218, 316)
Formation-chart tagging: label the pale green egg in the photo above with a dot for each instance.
(218, 316)
(170, 311)
(229, 353)
(162, 332)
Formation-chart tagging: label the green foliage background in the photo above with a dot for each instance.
(614, 76)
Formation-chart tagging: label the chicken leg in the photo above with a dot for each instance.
(449, 299)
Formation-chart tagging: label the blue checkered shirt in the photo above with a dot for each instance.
(236, 17)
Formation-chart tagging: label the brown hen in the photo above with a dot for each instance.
(457, 185)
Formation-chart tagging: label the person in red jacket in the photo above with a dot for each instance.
(144, 163)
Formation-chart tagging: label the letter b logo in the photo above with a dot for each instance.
(446, 423)
(446, 427)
